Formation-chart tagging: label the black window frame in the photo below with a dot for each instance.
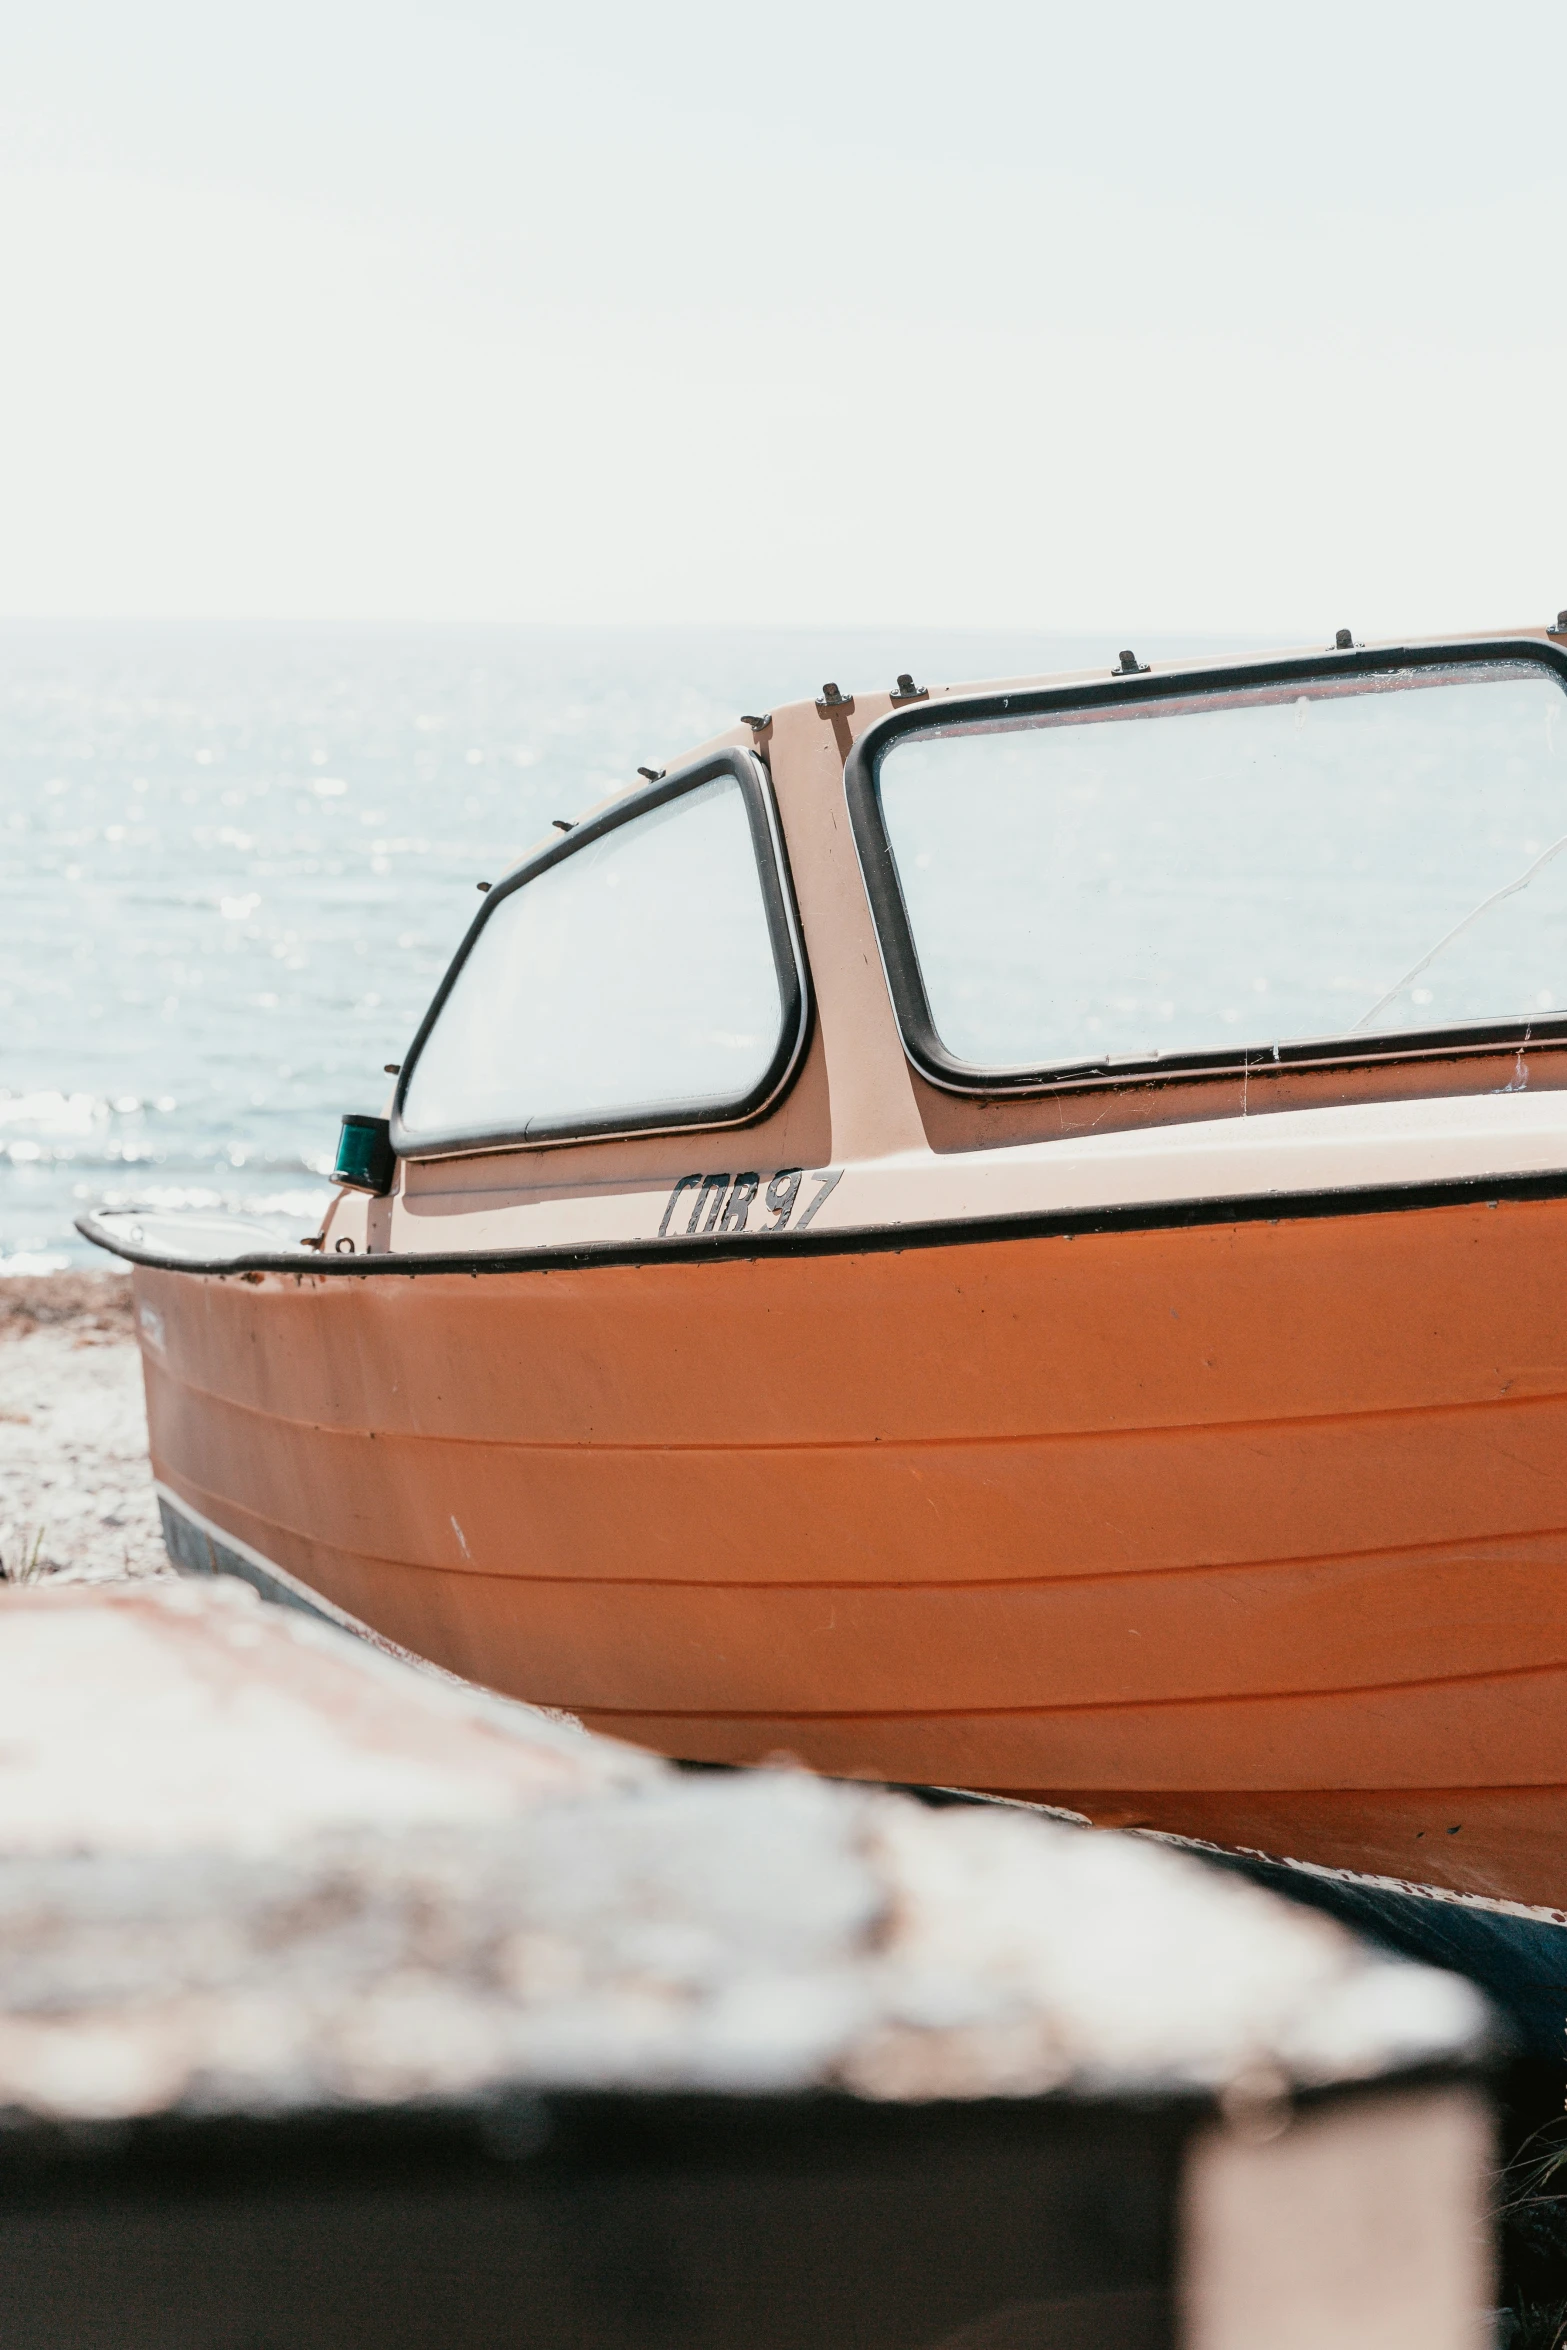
(783, 927)
(900, 958)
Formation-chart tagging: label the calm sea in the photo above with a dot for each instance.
(234, 862)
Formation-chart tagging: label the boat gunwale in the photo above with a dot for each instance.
(925, 1051)
(1136, 1216)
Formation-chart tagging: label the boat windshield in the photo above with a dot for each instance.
(634, 981)
(1341, 858)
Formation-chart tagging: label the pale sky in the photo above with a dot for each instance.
(1184, 318)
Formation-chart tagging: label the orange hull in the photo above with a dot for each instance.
(1253, 1530)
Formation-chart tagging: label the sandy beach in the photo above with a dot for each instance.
(76, 1498)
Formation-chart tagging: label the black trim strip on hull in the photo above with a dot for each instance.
(1520, 1963)
(881, 1240)
(194, 1550)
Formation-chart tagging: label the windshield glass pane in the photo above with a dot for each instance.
(634, 977)
(1332, 859)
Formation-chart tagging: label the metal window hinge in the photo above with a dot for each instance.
(1130, 666)
(907, 691)
(830, 699)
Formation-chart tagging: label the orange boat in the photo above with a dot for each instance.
(1009, 1237)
